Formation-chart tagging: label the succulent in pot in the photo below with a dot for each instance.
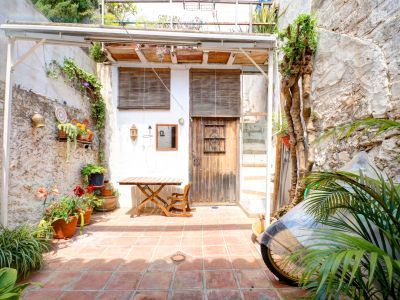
(94, 173)
(69, 132)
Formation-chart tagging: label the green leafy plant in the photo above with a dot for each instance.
(8, 288)
(67, 11)
(348, 129)
(64, 208)
(298, 38)
(97, 53)
(90, 169)
(358, 255)
(266, 13)
(72, 133)
(280, 125)
(22, 248)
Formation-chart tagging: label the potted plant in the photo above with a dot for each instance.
(108, 189)
(69, 132)
(109, 203)
(85, 134)
(94, 173)
(87, 200)
(280, 126)
(63, 216)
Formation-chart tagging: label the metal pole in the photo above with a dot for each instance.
(102, 12)
(269, 135)
(6, 132)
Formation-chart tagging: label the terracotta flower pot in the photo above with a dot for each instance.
(109, 203)
(286, 141)
(64, 230)
(86, 217)
(62, 134)
(106, 193)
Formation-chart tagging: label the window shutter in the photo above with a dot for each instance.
(140, 88)
(215, 93)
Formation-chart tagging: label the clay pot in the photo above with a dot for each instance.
(86, 217)
(64, 230)
(286, 141)
(109, 203)
(62, 135)
(83, 138)
(106, 193)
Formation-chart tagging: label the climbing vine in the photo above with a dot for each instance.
(299, 45)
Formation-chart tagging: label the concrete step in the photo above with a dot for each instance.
(256, 178)
(253, 193)
(253, 171)
(254, 158)
(253, 141)
(255, 151)
(255, 186)
(254, 165)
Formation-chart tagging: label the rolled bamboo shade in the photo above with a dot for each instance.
(215, 93)
(140, 88)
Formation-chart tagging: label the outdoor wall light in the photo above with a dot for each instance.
(181, 121)
(134, 133)
(37, 120)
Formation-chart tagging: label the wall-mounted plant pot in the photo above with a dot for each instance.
(86, 217)
(109, 203)
(64, 230)
(62, 135)
(96, 179)
(286, 141)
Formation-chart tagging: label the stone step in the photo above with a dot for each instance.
(252, 171)
(254, 158)
(255, 178)
(254, 165)
(255, 186)
(253, 193)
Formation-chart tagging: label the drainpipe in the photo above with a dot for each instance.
(6, 132)
(269, 135)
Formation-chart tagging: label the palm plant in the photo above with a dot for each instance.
(358, 255)
(22, 248)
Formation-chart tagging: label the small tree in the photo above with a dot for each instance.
(67, 11)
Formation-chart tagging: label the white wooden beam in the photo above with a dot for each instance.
(205, 58)
(174, 59)
(141, 56)
(255, 64)
(29, 52)
(270, 100)
(231, 59)
(6, 132)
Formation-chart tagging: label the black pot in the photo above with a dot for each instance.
(96, 179)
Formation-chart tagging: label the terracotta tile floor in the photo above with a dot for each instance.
(123, 258)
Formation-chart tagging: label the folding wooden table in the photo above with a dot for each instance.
(152, 194)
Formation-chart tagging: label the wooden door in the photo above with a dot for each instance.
(214, 160)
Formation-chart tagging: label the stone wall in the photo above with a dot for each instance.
(37, 158)
(357, 75)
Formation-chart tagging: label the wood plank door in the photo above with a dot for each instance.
(215, 160)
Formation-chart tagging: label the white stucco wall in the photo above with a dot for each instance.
(140, 158)
(31, 73)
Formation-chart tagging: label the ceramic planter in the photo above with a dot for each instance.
(64, 230)
(96, 179)
(106, 193)
(109, 203)
(62, 135)
(86, 217)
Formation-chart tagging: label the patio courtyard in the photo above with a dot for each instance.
(119, 257)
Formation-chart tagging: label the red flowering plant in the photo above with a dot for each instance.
(47, 194)
(87, 199)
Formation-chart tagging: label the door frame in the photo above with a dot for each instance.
(238, 167)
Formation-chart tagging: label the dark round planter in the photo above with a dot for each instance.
(96, 179)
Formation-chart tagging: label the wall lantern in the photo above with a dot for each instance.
(37, 120)
(134, 133)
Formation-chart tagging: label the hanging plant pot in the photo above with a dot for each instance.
(86, 217)
(109, 203)
(96, 179)
(286, 141)
(62, 135)
(64, 230)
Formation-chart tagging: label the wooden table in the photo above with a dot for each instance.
(152, 194)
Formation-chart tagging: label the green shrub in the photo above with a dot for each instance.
(8, 289)
(22, 248)
(90, 169)
(97, 53)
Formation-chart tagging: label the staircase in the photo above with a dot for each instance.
(253, 168)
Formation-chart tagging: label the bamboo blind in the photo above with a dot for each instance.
(215, 93)
(140, 88)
